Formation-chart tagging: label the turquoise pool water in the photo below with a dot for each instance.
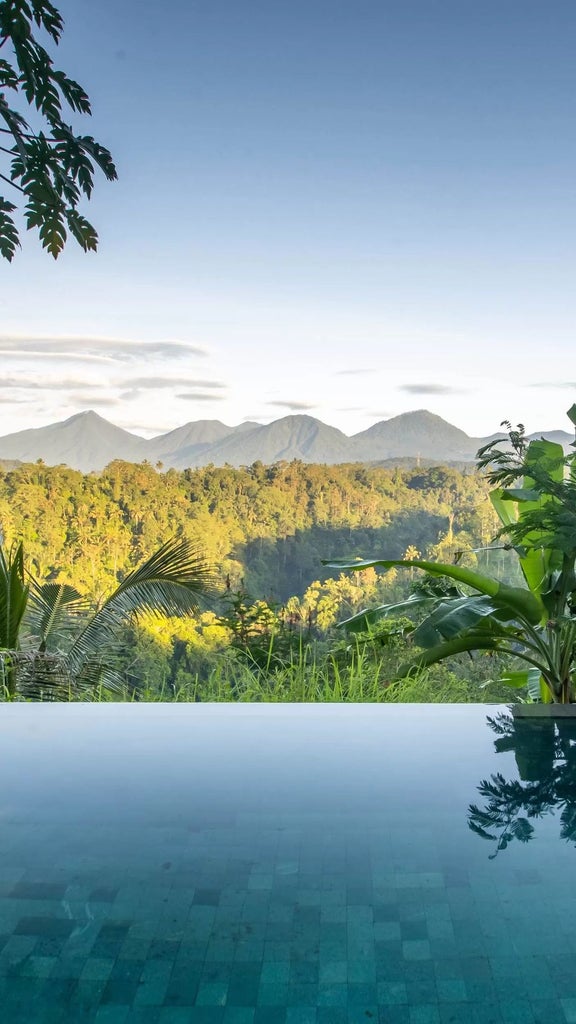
(285, 864)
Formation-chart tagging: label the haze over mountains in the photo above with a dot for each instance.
(88, 442)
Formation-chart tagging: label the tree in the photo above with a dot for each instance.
(51, 644)
(545, 753)
(49, 165)
(535, 624)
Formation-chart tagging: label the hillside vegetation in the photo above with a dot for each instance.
(266, 529)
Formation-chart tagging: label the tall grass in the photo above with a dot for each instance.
(309, 679)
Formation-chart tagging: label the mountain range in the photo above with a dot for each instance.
(88, 442)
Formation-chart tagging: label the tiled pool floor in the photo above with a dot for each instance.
(222, 886)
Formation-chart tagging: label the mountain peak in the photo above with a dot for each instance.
(87, 441)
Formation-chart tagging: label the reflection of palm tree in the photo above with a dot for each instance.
(545, 752)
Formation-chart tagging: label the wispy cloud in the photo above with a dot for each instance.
(431, 389)
(171, 382)
(46, 384)
(89, 349)
(354, 371)
(199, 396)
(294, 406)
(102, 401)
(565, 385)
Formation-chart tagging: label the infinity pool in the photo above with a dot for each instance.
(286, 864)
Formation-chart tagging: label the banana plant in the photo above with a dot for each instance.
(53, 646)
(535, 499)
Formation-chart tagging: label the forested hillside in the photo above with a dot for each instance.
(267, 525)
(266, 530)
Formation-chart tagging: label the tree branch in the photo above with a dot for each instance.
(13, 184)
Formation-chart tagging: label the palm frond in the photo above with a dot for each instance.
(53, 613)
(173, 581)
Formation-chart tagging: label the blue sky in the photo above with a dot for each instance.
(349, 209)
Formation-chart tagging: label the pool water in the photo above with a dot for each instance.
(285, 864)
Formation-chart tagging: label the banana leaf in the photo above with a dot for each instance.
(363, 620)
(519, 600)
(452, 618)
(530, 678)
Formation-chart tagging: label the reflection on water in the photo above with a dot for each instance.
(545, 753)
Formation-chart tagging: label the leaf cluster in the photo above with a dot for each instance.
(50, 165)
(53, 645)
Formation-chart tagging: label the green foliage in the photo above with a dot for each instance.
(267, 524)
(535, 624)
(49, 165)
(261, 633)
(51, 648)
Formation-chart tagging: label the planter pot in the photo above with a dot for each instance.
(544, 710)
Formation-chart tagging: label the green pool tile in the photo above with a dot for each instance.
(270, 1015)
(272, 994)
(422, 990)
(452, 967)
(332, 995)
(97, 969)
(569, 1010)
(387, 931)
(517, 1011)
(301, 1015)
(244, 985)
(393, 1015)
(390, 967)
(331, 972)
(120, 991)
(182, 985)
(238, 1015)
(42, 967)
(273, 972)
(143, 1015)
(426, 1013)
(451, 990)
(302, 994)
(332, 1015)
(548, 1011)
(112, 1015)
(246, 952)
(416, 949)
(216, 972)
(479, 991)
(510, 989)
(469, 1013)
(362, 1014)
(392, 993)
(361, 993)
(212, 993)
(304, 971)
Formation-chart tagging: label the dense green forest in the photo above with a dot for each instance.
(265, 529)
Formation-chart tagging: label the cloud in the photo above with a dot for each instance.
(92, 400)
(295, 406)
(567, 385)
(431, 389)
(46, 384)
(353, 371)
(355, 408)
(200, 397)
(171, 382)
(89, 349)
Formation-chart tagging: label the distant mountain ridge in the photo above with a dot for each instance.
(88, 442)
